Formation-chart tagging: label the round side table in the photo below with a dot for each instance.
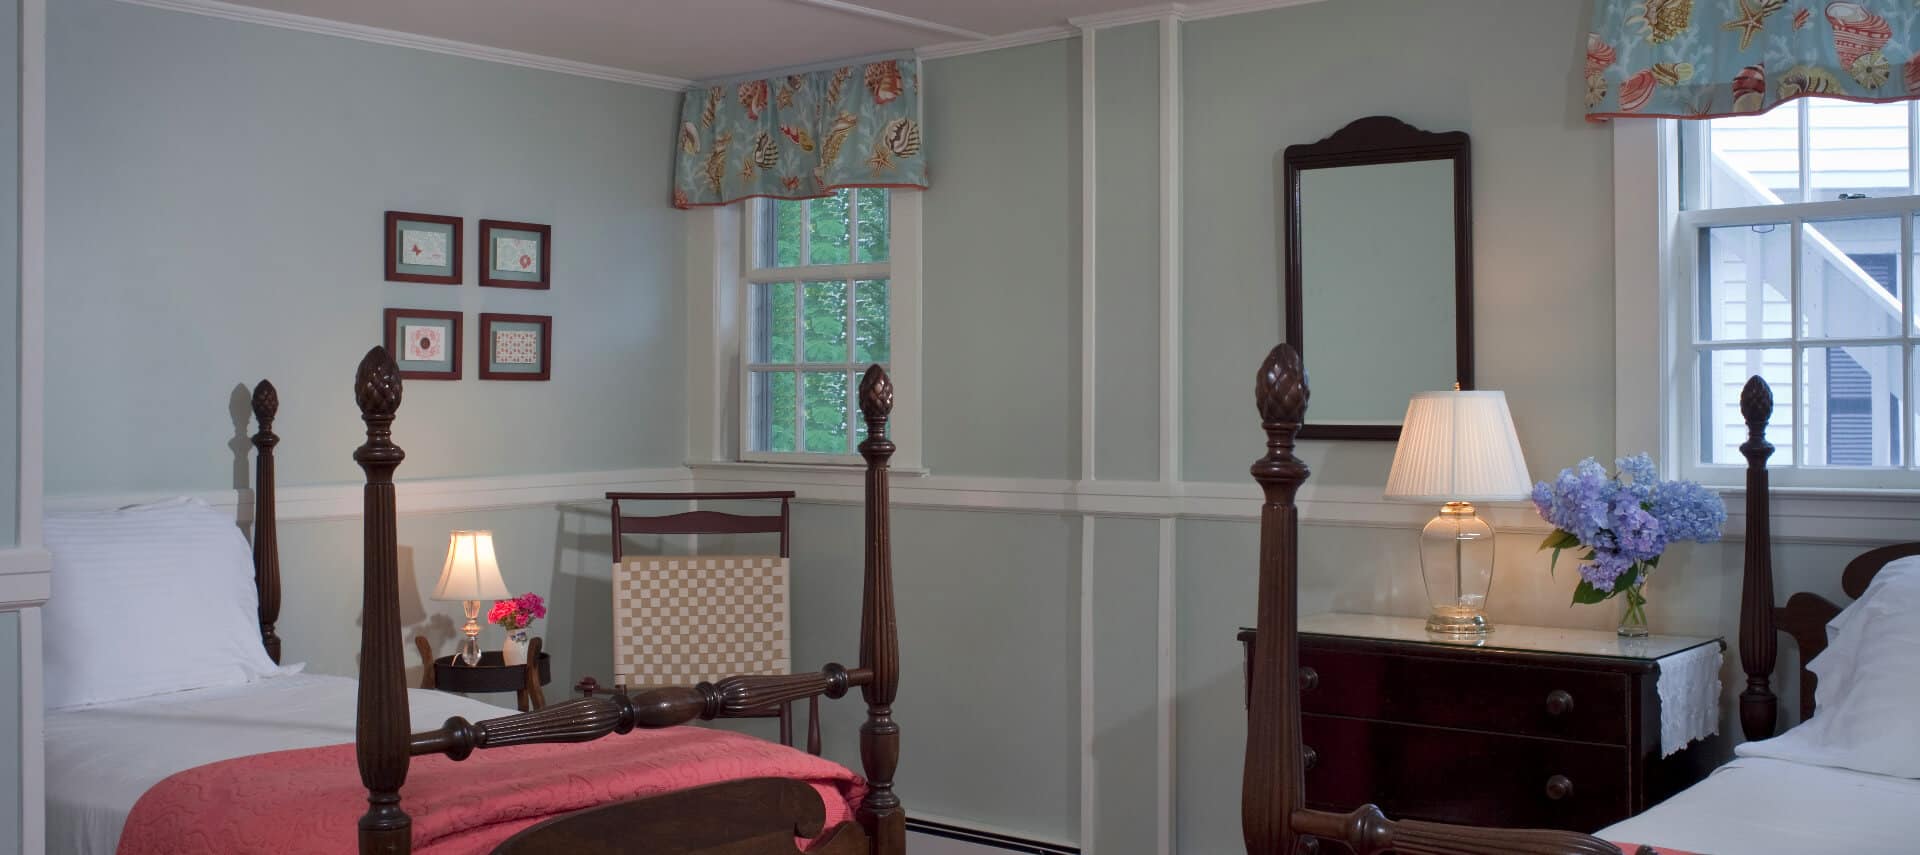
(448, 674)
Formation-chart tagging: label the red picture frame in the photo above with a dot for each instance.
(487, 277)
(391, 318)
(458, 252)
(544, 322)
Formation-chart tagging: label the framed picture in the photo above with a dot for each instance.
(516, 347)
(423, 248)
(425, 343)
(515, 255)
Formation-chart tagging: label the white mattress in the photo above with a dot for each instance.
(100, 760)
(1761, 806)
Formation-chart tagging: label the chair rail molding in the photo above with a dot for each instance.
(344, 501)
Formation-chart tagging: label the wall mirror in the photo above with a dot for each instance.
(1379, 272)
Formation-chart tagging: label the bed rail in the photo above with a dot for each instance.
(383, 745)
(1274, 816)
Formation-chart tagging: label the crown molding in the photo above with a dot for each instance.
(1180, 12)
(892, 18)
(1010, 40)
(395, 38)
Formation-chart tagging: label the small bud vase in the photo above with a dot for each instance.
(514, 651)
(1633, 624)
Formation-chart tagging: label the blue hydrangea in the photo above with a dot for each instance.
(1628, 518)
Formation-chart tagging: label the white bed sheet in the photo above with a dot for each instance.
(1762, 806)
(100, 760)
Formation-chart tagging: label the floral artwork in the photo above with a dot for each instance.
(801, 136)
(424, 343)
(516, 255)
(424, 248)
(516, 613)
(1624, 520)
(1707, 58)
(516, 347)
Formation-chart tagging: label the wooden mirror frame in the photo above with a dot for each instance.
(1377, 140)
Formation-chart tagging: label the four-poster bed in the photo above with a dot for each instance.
(752, 815)
(1765, 802)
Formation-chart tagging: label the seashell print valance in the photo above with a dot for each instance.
(1694, 59)
(801, 136)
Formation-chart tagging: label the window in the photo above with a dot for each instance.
(1795, 260)
(819, 309)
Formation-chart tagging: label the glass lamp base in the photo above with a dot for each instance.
(1458, 620)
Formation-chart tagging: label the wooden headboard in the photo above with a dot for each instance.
(266, 535)
(1806, 615)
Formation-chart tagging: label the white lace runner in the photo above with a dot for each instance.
(1689, 697)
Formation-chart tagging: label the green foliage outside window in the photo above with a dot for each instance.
(820, 310)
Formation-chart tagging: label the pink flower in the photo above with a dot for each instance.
(517, 612)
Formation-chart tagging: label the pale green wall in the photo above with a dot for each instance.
(215, 217)
(9, 733)
(9, 271)
(989, 612)
(1001, 301)
(1127, 253)
(1501, 70)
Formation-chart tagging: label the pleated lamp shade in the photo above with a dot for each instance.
(1458, 447)
(471, 572)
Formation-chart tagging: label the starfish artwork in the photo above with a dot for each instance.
(1753, 19)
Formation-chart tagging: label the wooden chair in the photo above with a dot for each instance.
(757, 587)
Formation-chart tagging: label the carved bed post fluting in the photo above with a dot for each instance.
(880, 812)
(1758, 706)
(381, 739)
(1275, 780)
(266, 536)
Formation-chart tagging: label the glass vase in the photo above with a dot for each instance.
(514, 651)
(1633, 624)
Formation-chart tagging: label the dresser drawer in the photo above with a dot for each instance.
(1415, 772)
(1591, 706)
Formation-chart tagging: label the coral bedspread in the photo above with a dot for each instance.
(310, 800)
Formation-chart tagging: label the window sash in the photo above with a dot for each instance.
(758, 271)
(1688, 279)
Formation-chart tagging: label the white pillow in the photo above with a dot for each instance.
(1869, 685)
(149, 599)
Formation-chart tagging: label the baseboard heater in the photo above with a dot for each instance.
(987, 838)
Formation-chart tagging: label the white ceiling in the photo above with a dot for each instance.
(696, 39)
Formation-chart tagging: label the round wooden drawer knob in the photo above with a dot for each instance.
(1308, 757)
(1309, 679)
(1559, 787)
(1559, 703)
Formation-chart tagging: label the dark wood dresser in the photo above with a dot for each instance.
(1528, 727)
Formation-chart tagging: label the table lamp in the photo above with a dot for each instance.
(471, 575)
(1458, 448)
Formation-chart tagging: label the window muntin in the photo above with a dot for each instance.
(818, 307)
(1797, 238)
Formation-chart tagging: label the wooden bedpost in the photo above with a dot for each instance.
(381, 739)
(880, 812)
(266, 536)
(1759, 708)
(1275, 781)
(1273, 813)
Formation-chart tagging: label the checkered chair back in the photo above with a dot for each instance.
(680, 620)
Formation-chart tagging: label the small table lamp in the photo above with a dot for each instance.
(471, 575)
(1458, 448)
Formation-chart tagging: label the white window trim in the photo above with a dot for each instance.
(718, 254)
(1652, 364)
